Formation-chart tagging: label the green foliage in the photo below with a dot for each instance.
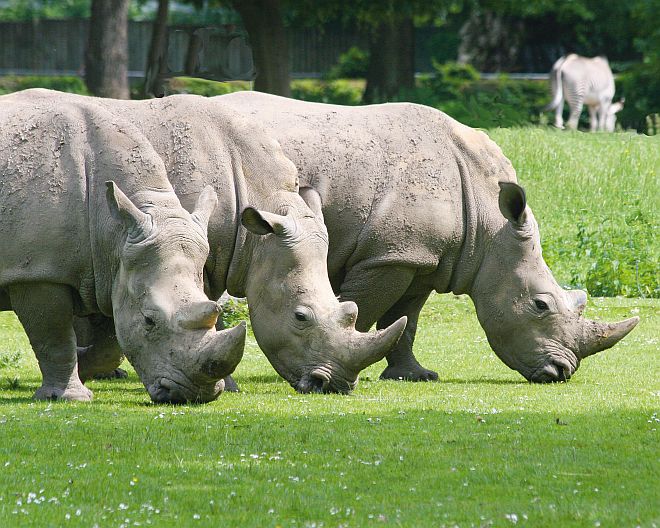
(352, 64)
(458, 90)
(19, 10)
(596, 199)
(481, 447)
(341, 91)
(193, 85)
(14, 83)
(235, 311)
(640, 86)
(451, 79)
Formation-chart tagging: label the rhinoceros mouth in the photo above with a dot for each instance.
(323, 380)
(167, 390)
(555, 370)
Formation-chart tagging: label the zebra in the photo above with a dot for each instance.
(583, 80)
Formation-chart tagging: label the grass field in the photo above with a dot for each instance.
(597, 200)
(481, 447)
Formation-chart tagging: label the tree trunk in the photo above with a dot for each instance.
(391, 60)
(156, 61)
(270, 46)
(106, 60)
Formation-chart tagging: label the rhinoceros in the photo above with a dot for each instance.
(416, 202)
(268, 244)
(90, 224)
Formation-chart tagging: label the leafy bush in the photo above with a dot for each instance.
(352, 64)
(458, 90)
(14, 83)
(234, 311)
(641, 88)
(193, 85)
(341, 91)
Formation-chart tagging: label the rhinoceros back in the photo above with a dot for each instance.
(392, 177)
(54, 220)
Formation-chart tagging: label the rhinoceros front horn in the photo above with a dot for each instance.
(597, 337)
(368, 348)
(220, 356)
(199, 315)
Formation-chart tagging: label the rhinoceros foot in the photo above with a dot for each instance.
(117, 373)
(231, 385)
(73, 392)
(408, 373)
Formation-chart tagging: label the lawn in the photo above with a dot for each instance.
(481, 447)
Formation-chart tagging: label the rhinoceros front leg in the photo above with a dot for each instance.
(99, 355)
(380, 293)
(46, 312)
(401, 362)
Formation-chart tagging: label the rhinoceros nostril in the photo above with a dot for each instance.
(166, 391)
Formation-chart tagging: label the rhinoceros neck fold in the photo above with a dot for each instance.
(465, 269)
(238, 267)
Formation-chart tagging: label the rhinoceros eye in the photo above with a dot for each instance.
(541, 305)
(300, 316)
(149, 321)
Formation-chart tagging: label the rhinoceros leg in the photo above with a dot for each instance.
(99, 355)
(401, 362)
(230, 383)
(380, 293)
(46, 312)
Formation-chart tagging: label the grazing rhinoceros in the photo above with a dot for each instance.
(415, 202)
(72, 243)
(267, 243)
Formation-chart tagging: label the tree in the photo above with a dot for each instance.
(157, 53)
(263, 20)
(391, 59)
(106, 59)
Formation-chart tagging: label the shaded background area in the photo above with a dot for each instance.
(423, 51)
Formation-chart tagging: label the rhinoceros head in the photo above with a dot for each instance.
(533, 325)
(307, 334)
(164, 322)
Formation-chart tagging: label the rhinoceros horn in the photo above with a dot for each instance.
(367, 348)
(220, 356)
(199, 315)
(597, 337)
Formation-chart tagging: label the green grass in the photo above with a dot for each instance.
(470, 450)
(596, 198)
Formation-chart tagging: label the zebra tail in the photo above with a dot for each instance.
(555, 83)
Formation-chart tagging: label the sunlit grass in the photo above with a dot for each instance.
(479, 447)
(597, 200)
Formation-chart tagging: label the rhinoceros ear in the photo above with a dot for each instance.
(263, 222)
(206, 204)
(512, 202)
(313, 200)
(137, 224)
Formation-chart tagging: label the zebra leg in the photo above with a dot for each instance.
(559, 120)
(603, 110)
(594, 122)
(576, 110)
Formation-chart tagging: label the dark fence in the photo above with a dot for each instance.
(57, 47)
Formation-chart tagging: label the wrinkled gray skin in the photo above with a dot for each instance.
(74, 244)
(267, 243)
(415, 202)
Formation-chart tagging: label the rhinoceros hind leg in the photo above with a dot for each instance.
(117, 373)
(231, 385)
(380, 293)
(46, 312)
(401, 362)
(99, 355)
